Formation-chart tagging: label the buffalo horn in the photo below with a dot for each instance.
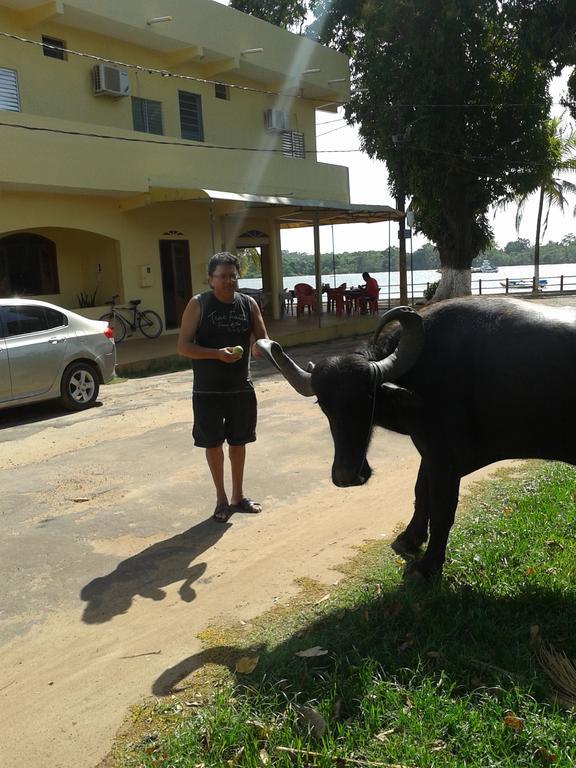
(294, 375)
(409, 347)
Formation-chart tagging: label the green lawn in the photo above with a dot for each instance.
(437, 675)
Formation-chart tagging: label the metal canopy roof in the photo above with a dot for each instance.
(304, 213)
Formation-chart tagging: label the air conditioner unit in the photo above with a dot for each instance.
(109, 80)
(276, 120)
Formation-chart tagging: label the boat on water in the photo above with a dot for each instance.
(524, 282)
(486, 266)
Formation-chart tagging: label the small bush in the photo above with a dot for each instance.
(431, 290)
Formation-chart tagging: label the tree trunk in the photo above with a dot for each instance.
(537, 241)
(453, 282)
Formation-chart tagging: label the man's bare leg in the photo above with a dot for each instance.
(237, 454)
(215, 459)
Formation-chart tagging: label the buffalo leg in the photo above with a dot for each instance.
(443, 490)
(416, 532)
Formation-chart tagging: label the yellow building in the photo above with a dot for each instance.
(137, 137)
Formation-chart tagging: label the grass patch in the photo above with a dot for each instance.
(442, 675)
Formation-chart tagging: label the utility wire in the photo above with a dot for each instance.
(200, 146)
(156, 71)
(93, 135)
(249, 89)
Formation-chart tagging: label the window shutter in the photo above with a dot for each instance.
(191, 116)
(9, 96)
(293, 144)
(147, 115)
(53, 48)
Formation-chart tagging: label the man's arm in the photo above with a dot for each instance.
(186, 345)
(258, 328)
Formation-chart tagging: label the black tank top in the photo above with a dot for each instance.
(223, 325)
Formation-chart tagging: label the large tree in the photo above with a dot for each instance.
(445, 94)
(450, 96)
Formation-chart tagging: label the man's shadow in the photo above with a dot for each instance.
(148, 572)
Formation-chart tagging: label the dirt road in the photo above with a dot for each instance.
(111, 565)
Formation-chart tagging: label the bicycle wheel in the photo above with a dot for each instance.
(117, 324)
(150, 324)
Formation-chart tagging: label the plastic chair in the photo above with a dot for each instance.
(335, 300)
(305, 297)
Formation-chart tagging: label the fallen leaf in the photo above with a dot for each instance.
(314, 720)
(322, 599)
(81, 499)
(507, 511)
(383, 735)
(530, 571)
(264, 757)
(513, 722)
(554, 544)
(437, 745)
(544, 755)
(247, 664)
(309, 653)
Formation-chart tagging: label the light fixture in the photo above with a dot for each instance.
(311, 71)
(158, 20)
(251, 50)
(337, 80)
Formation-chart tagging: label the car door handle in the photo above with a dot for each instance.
(55, 340)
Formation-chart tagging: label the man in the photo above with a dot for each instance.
(371, 292)
(216, 331)
(371, 287)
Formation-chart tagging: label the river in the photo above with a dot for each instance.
(486, 282)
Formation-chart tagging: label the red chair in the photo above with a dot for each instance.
(305, 297)
(368, 304)
(335, 300)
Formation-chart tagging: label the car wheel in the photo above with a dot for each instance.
(79, 387)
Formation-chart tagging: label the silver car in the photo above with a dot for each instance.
(48, 352)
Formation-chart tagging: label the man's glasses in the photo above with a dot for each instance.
(232, 278)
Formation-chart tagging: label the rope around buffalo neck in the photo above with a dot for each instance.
(371, 426)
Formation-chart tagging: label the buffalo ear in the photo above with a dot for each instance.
(399, 409)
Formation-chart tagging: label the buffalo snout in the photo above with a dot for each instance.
(344, 476)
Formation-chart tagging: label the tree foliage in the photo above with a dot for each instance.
(552, 189)
(290, 14)
(454, 96)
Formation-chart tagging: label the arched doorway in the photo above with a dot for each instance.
(28, 265)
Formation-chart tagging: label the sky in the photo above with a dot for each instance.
(368, 184)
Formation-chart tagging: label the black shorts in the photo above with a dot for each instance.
(224, 417)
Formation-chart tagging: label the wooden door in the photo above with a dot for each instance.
(176, 279)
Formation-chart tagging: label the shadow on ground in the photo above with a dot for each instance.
(476, 640)
(149, 572)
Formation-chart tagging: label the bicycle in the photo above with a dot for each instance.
(146, 320)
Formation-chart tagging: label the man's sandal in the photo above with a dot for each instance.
(223, 512)
(247, 505)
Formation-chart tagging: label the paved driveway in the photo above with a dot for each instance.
(111, 565)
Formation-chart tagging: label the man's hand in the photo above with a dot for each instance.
(228, 355)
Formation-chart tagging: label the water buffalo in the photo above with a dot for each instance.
(472, 381)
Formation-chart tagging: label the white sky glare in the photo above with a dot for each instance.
(368, 184)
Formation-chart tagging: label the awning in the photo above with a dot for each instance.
(291, 212)
(304, 213)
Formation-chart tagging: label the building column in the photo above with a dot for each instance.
(275, 264)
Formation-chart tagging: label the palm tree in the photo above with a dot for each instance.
(551, 189)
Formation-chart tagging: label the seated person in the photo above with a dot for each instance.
(371, 289)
